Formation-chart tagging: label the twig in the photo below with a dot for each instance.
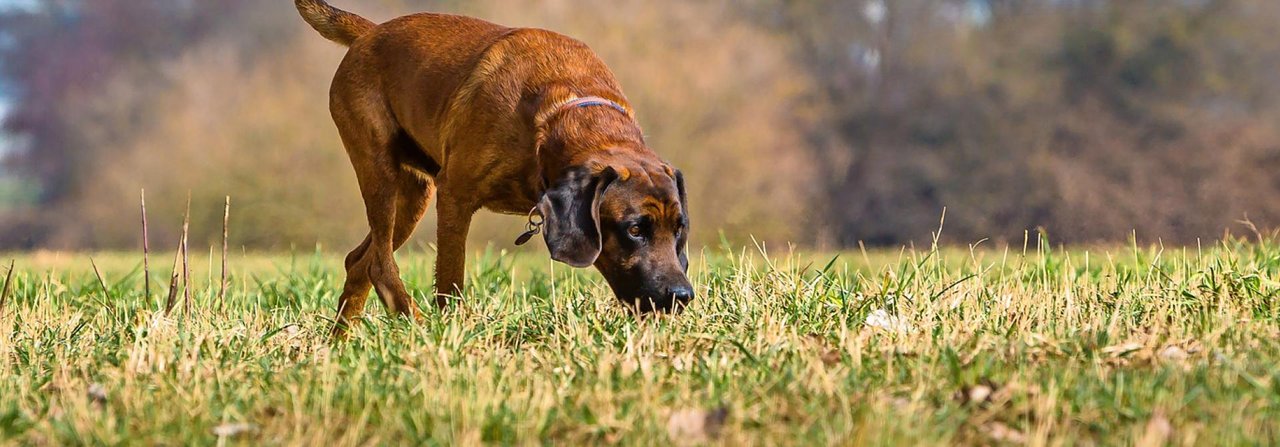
(8, 283)
(226, 217)
(146, 250)
(173, 279)
(186, 264)
(101, 282)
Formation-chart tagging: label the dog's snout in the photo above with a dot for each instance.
(681, 293)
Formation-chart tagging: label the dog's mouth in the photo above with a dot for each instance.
(643, 303)
(644, 294)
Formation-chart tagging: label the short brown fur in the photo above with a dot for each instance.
(470, 111)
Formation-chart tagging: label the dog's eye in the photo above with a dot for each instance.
(635, 231)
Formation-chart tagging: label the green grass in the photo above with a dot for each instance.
(1045, 347)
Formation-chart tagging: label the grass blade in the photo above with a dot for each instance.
(146, 250)
(186, 263)
(226, 217)
(8, 283)
(106, 292)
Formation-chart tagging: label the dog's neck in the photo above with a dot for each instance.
(569, 101)
(576, 131)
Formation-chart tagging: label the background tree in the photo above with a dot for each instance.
(824, 122)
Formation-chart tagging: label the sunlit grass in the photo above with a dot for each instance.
(1035, 345)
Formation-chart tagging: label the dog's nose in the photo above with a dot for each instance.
(681, 294)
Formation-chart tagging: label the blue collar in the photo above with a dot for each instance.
(589, 101)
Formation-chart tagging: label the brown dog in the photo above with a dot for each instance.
(514, 120)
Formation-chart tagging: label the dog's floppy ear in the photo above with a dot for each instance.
(682, 242)
(572, 212)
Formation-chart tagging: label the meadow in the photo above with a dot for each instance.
(1031, 344)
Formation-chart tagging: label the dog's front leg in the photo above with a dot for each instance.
(451, 238)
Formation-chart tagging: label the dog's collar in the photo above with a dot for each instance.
(579, 102)
(533, 227)
(588, 101)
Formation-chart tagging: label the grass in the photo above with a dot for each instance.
(952, 346)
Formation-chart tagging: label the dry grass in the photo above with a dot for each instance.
(1045, 347)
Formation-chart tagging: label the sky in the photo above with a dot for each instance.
(4, 138)
(4, 101)
(17, 3)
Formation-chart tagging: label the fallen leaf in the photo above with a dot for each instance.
(1121, 349)
(678, 364)
(233, 429)
(1158, 431)
(1003, 433)
(97, 393)
(880, 319)
(898, 403)
(271, 411)
(1006, 392)
(831, 357)
(1173, 354)
(692, 426)
(52, 387)
(979, 393)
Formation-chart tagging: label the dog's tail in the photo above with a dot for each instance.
(333, 23)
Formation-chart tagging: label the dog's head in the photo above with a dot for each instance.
(631, 221)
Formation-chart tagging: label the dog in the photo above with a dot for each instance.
(514, 120)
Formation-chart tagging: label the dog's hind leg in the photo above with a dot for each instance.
(412, 198)
(372, 142)
(411, 205)
(417, 186)
(355, 290)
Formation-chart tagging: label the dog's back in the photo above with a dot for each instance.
(459, 62)
(418, 62)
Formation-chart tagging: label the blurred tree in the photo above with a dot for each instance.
(1090, 119)
(58, 52)
(880, 64)
(825, 122)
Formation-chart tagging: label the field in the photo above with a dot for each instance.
(1036, 345)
